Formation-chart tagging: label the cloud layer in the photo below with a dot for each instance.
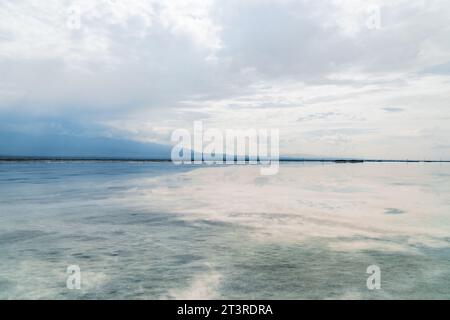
(338, 78)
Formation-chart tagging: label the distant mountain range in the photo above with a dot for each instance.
(14, 144)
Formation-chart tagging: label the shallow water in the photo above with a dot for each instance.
(157, 231)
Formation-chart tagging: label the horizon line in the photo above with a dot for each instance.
(247, 159)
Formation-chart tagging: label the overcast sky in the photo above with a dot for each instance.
(338, 78)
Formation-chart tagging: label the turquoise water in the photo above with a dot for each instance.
(157, 231)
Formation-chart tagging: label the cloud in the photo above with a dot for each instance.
(318, 116)
(137, 70)
(392, 109)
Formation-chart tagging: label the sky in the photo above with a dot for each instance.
(345, 78)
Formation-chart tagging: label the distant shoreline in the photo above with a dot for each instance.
(281, 160)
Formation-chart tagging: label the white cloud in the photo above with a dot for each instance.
(139, 68)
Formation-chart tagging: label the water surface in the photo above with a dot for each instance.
(158, 231)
